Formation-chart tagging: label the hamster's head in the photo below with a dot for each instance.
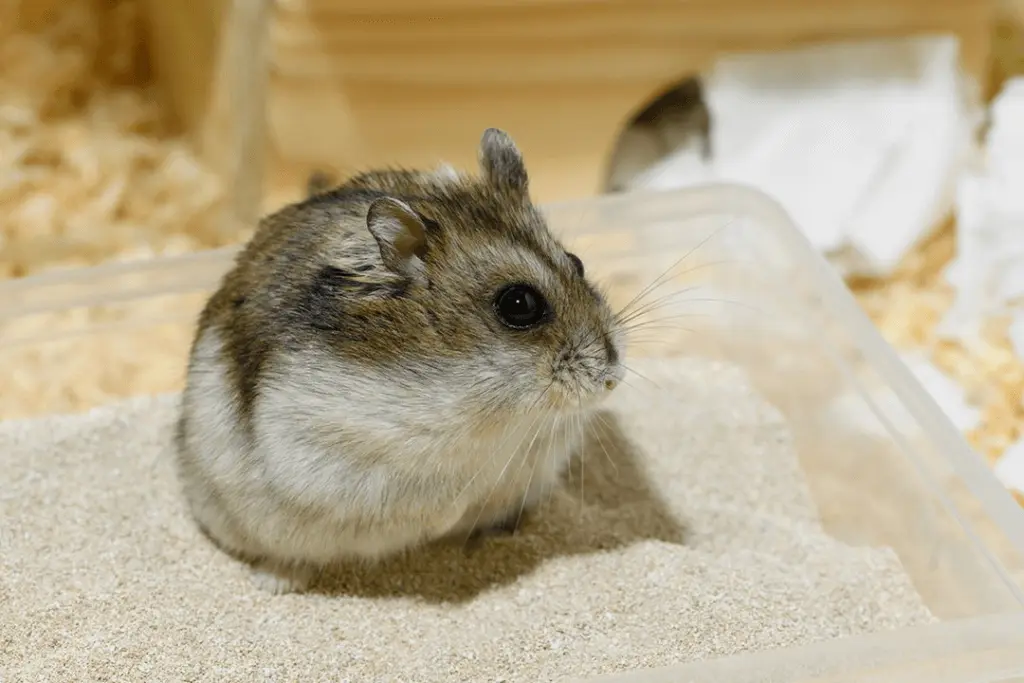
(505, 310)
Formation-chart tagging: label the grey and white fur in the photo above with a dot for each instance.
(355, 389)
(679, 118)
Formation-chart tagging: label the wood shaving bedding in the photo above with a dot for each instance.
(91, 171)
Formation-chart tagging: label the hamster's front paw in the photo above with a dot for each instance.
(281, 582)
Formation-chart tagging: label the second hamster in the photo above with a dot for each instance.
(678, 118)
(406, 357)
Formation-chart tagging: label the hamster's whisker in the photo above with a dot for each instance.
(519, 470)
(578, 423)
(657, 281)
(578, 343)
(506, 434)
(604, 424)
(551, 489)
(453, 441)
(663, 324)
(632, 324)
(672, 300)
(654, 284)
(654, 304)
(627, 383)
(515, 452)
(524, 455)
(654, 333)
(655, 343)
(732, 302)
(636, 324)
(638, 299)
(590, 339)
(664, 335)
(641, 376)
(529, 481)
(494, 486)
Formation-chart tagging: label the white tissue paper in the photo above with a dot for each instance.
(860, 143)
(1016, 334)
(987, 271)
(1009, 469)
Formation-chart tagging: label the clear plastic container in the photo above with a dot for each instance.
(884, 464)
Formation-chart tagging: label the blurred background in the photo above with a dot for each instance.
(892, 131)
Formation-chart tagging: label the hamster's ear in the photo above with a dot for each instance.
(502, 163)
(400, 234)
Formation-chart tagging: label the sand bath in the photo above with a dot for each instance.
(687, 533)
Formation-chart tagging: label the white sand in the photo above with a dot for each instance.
(694, 536)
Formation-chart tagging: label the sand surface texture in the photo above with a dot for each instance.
(687, 532)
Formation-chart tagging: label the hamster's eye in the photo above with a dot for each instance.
(576, 263)
(520, 307)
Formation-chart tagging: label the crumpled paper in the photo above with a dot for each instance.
(860, 142)
(1009, 469)
(987, 271)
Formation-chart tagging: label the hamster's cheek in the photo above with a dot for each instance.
(518, 376)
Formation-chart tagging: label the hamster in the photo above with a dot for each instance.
(678, 118)
(407, 357)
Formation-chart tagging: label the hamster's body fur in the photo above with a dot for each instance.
(352, 392)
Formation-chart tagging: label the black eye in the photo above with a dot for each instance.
(520, 307)
(576, 263)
